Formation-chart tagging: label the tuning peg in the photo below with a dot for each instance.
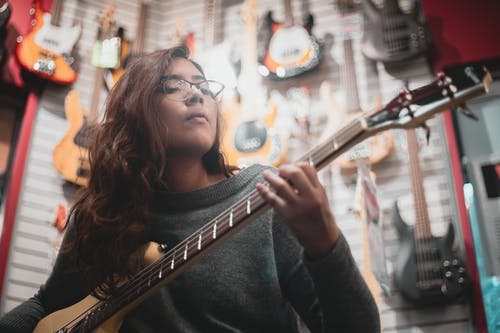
(464, 109)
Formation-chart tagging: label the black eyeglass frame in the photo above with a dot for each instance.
(161, 88)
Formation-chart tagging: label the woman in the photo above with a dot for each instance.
(157, 174)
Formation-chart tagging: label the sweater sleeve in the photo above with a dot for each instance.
(346, 301)
(64, 287)
(329, 294)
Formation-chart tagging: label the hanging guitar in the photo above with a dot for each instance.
(392, 35)
(127, 53)
(292, 49)
(250, 137)
(409, 109)
(379, 146)
(46, 50)
(70, 156)
(427, 270)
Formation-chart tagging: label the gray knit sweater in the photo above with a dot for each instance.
(259, 280)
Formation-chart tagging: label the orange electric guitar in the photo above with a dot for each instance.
(70, 156)
(248, 136)
(378, 147)
(46, 50)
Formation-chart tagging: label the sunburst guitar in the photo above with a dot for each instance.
(46, 50)
(249, 135)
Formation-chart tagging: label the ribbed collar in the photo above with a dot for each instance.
(164, 199)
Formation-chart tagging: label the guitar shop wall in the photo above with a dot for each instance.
(337, 75)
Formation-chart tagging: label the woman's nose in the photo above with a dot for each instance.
(194, 97)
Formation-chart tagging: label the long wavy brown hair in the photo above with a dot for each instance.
(127, 162)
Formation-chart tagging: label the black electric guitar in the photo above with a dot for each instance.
(427, 270)
(409, 109)
(392, 35)
(291, 49)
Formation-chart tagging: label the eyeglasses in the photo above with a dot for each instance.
(179, 89)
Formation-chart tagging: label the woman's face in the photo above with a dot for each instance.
(192, 122)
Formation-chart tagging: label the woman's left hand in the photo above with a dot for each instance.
(297, 195)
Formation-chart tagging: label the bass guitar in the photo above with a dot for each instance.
(292, 49)
(378, 147)
(391, 34)
(427, 270)
(46, 50)
(409, 109)
(70, 156)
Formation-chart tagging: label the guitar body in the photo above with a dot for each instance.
(46, 50)
(56, 320)
(70, 156)
(393, 35)
(247, 141)
(291, 50)
(430, 273)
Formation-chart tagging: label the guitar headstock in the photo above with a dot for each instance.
(411, 108)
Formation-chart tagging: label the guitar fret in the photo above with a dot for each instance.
(199, 241)
(249, 209)
(185, 251)
(231, 218)
(172, 263)
(310, 161)
(161, 272)
(214, 231)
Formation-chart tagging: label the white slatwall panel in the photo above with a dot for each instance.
(34, 241)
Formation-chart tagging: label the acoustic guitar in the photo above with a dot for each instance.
(427, 270)
(378, 147)
(70, 156)
(393, 35)
(248, 136)
(127, 53)
(292, 49)
(408, 110)
(47, 50)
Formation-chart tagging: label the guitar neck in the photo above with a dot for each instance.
(422, 222)
(56, 12)
(141, 28)
(348, 73)
(289, 20)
